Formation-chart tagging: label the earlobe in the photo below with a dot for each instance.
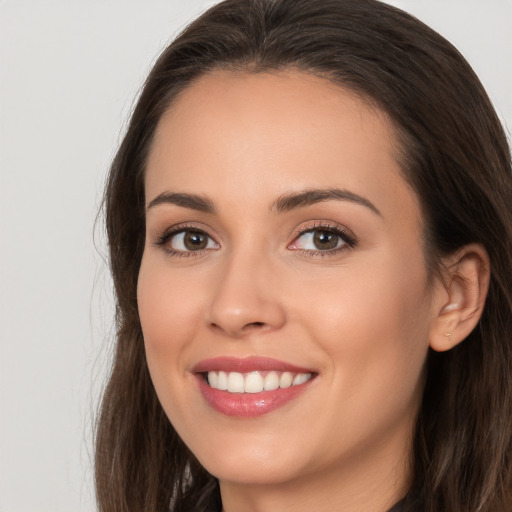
(461, 303)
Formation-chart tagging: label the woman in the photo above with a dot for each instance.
(311, 238)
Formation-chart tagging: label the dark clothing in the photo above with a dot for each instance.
(398, 507)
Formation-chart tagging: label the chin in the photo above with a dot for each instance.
(245, 470)
(251, 459)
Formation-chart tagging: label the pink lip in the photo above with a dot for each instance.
(246, 365)
(248, 405)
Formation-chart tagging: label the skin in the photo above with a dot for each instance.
(361, 318)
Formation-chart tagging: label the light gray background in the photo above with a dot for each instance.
(69, 73)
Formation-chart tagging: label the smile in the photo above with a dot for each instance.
(256, 381)
(250, 387)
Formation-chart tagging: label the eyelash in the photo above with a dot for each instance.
(167, 235)
(348, 239)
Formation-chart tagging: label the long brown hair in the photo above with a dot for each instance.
(456, 158)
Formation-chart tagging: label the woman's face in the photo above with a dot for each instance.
(284, 261)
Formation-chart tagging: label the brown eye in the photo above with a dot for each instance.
(189, 241)
(195, 241)
(325, 240)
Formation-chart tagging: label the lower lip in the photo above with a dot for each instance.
(249, 405)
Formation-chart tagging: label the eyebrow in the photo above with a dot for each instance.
(284, 203)
(192, 201)
(309, 197)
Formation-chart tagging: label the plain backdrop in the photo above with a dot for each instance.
(69, 73)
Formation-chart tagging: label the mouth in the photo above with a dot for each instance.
(255, 381)
(252, 386)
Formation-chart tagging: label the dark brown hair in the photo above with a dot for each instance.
(456, 158)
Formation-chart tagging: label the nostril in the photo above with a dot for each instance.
(244, 329)
(254, 324)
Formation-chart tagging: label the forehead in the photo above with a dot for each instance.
(262, 110)
(237, 134)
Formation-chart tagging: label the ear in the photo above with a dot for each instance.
(460, 297)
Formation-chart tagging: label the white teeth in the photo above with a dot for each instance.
(222, 381)
(213, 379)
(286, 380)
(235, 382)
(301, 378)
(271, 381)
(255, 382)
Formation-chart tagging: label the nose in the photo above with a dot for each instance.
(246, 298)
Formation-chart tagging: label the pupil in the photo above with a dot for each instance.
(325, 240)
(195, 241)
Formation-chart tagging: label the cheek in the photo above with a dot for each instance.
(386, 298)
(373, 325)
(169, 314)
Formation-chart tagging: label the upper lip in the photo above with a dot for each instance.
(246, 365)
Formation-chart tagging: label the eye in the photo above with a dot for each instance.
(323, 239)
(187, 241)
